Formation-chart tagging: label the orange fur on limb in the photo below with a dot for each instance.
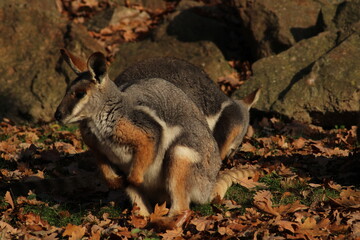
(229, 140)
(113, 180)
(179, 171)
(144, 149)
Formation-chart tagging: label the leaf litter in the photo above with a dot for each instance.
(295, 195)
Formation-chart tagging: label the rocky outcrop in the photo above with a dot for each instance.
(272, 26)
(29, 40)
(316, 80)
(32, 83)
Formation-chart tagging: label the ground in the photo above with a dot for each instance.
(306, 187)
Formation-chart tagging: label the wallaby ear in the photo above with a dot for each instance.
(97, 66)
(76, 63)
(252, 98)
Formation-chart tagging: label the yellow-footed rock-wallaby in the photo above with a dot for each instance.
(149, 130)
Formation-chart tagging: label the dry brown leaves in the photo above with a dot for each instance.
(338, 142)
(35, 152)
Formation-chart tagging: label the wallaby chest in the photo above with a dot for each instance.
(119, 153)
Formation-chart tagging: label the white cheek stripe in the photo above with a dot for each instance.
(77, 112)
(212, 120)
(79, 106)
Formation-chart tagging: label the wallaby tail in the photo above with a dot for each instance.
(229, 177)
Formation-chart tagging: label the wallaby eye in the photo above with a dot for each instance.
(79, 94)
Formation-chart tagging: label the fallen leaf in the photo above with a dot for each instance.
(34, 222)
(248, 147)
(9, 200)
(171, 234)
(74, 232)
(348, 198)
(159, 212)
(225, 231)
(290, 208)
(22, 200)
(138, 221)
(299, 143)
(249, 183)
(201, 223)
(285, 171)
(262, 200)
(7, 228)
(334, 186)
(287, 225)
(124, 232)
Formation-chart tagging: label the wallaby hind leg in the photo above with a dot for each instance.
(230, 144)
(179, 169)
(230, 129)
(233, 124)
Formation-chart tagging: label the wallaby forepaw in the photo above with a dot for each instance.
(115, 183)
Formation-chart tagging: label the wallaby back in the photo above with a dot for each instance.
(228, 119)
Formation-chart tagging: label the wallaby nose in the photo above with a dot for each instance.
(58, 115)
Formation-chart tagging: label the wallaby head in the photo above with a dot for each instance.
(86, 92)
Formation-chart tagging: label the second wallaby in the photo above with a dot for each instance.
(228, 119)
(151, 131)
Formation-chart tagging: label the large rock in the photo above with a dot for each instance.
(317, 80)
(186, 35)
(32, 83)
(272, 26)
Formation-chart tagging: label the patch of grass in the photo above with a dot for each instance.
(3, 203)
(278, 185)
(4, 137)
(70, 128)
(240, 195)
(42, 138)
(237, 193)
(22, 138)
(273, 181)
(320, 194)
(113, 211)
(57, 215)
(203, 209)
(54, 216)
